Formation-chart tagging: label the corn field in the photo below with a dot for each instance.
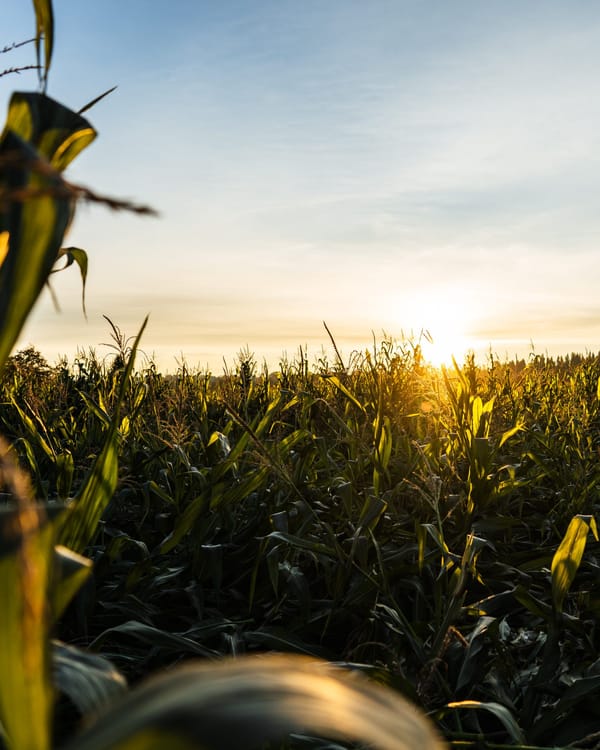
(373, 552)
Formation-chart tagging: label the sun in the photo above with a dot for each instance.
(441, 325)
(442, 343)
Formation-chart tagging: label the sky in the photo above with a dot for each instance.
(385, 167)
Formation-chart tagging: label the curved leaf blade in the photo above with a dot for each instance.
(40, 138)
(26, 541)
(499, 711)
(241, 704)
(89, 680)
(44, 29)
(568, 556)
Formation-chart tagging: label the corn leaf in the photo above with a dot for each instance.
(88, 506)
(44, 29)
(568, 556)
(342, 389)
(89, 680)
(91, 501)
(56, 132)
(70, 572)
(95, 100)
(79, 256)
(499, 711)
(509, 433)
(36, 211)
(170, 642)
(26, 542)
(241, 704)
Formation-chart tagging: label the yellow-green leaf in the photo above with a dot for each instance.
(568, 556)
(342, 389)
(26, 542)
(79, 256)
(36, 210)
(44, 28)
(56, 132)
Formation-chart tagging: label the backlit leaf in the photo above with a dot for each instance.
(36, 211)
(26, 542)
(568, 556)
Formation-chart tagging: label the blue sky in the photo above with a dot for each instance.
(380, 166)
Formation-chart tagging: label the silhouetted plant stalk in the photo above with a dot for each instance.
(19, 68)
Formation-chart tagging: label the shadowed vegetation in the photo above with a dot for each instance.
(427, 528)
(399, 535)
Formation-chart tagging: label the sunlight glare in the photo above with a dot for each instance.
(443, 327)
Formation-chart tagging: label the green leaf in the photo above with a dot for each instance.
(171, 642)
(89, 680)
(26, 543)
(568, 556)
(91, 501)
(244, 703)
(372, 510)
(533, 604)
(95, 409)
(79, 256)
(299, 542)
(71, 571)
(38, 130)
(342, 389)
(280, 639)
(509, 433)
(35, 230)
(499, 711)
(65, 466)
(44, 28)
(55, 132)
(33, 431)
(87, 508)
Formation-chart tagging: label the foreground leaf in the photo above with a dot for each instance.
(241, 704)
(26, 542)
(40, 138)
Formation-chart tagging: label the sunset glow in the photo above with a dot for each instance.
(376, 167)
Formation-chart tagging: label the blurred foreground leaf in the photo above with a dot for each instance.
(40, 139)
(26, 539)
(241, 704)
